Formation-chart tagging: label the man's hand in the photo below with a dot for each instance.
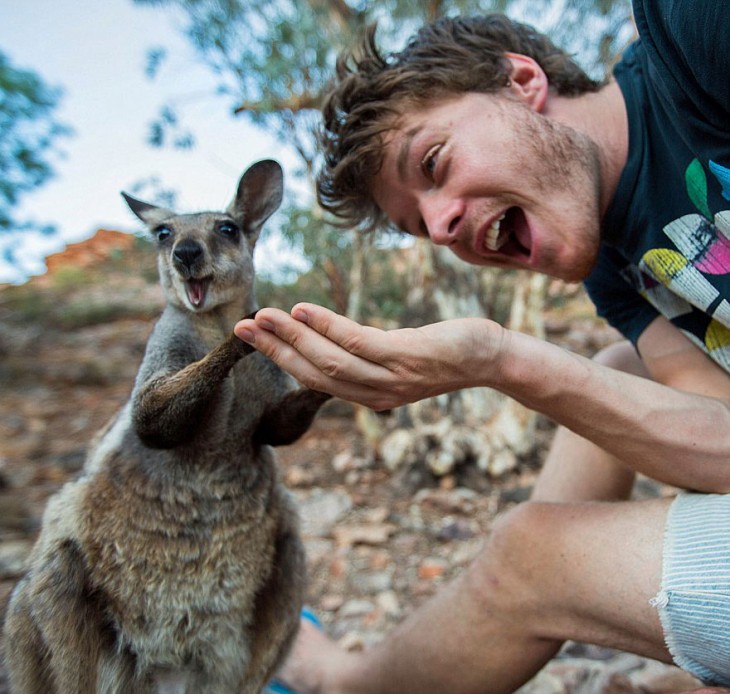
(377, 368)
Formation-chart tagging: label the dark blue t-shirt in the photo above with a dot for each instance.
(666, 236)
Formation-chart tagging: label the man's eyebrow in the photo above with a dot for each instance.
(403, 152)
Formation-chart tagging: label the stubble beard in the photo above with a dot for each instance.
(571, 171)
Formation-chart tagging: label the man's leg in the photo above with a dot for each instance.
(539, 581)
(549, 572)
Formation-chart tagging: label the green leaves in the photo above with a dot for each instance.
(28, 138)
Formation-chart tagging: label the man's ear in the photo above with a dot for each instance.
(528, 80)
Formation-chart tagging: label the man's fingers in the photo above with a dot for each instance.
(329, 341)
(312, 358)
(356, 339)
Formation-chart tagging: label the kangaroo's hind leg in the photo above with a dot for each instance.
(26, 656)
(278, 607)
(56, 631)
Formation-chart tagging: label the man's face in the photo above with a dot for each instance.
(496, 182)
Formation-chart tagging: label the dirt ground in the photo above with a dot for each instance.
(378, 545)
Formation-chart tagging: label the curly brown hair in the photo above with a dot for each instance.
(371, 89)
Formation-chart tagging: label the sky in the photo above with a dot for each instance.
(95, 50)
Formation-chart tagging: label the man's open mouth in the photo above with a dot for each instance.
(509, 235)
(197, 290)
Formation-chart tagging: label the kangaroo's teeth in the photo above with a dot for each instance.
(494, 239)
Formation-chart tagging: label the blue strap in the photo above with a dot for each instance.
(277, 687)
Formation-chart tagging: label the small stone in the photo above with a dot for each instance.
(331, 603)
(356, 608)
(379, 514)
(347, 461)
(459, 500)
(379, 560)
(423, 589)
(388, 602)
(320, 510)
(371, 583)
(14, 557)
(455, 530)
(318, 549)
(352, 641)
(431, 568)
(297, 476)
(447, 482)
(338, 567)
(370, 534)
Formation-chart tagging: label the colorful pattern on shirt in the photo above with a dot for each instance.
(666, 236)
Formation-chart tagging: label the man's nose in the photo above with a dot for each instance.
(441, 218)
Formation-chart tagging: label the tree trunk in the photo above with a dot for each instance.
(361, 243)
(475, 426)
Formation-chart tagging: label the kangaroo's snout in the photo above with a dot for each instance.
(187, 256)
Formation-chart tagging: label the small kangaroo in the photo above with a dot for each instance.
(174, 564)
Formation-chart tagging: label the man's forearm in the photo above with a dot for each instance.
(671, 435)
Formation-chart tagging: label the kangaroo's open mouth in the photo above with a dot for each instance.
(197, 290)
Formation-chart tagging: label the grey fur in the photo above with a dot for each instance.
(174, 563)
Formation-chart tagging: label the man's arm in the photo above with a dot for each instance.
(673, 428)
(673, 360)
(677, 430)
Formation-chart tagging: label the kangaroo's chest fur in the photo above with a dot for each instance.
(180, 541)
(177, 570)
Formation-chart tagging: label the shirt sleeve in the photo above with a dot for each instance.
(689, 52)
(615, 298)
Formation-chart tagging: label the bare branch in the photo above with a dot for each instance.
(294, 103)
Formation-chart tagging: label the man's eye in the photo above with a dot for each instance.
(429, 161)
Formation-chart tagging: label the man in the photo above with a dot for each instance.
(482, 136)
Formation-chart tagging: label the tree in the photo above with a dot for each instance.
(273, 60)
(28, 137)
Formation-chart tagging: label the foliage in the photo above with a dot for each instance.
(28, 137)
(384, 301)
(274, 59)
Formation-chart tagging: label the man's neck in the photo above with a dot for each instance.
(602, 117)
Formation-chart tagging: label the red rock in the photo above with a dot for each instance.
(431, 568)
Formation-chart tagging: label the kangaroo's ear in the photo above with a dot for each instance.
(151, 215)
(260, 192)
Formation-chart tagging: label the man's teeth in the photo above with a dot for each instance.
(493, 239)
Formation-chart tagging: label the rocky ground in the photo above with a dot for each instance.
(378, 545)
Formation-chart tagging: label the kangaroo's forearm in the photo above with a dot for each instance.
(169, 410)
(286, 421)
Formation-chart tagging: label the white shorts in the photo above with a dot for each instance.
(694, 600)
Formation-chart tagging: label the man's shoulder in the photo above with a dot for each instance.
(686, 43)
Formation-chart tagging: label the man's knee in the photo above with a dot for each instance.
(508, 574)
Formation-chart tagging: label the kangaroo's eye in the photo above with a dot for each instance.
(229, 230)
(162, 232)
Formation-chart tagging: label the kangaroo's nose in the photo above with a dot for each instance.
(187, 253)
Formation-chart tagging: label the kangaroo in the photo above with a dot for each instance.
(174, 564)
